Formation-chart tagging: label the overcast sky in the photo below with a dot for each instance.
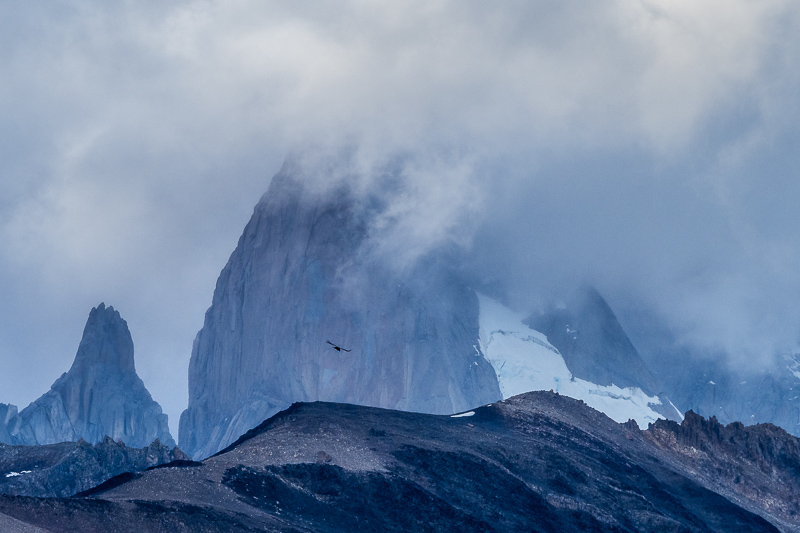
(647, 146)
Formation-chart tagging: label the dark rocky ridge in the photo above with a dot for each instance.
(535, 462)
(757, 464)
(100, 396)
(300, 277)
(67, 468)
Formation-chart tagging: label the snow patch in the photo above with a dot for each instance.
(525, 361)
(680, 415)
(468, 413)
(15, 474)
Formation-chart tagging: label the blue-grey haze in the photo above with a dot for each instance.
(647, 147)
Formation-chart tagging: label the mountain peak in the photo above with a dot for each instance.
(304, 273)
(100, 396)
(594, 345)
(106, 342)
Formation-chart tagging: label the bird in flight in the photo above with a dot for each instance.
(338, 348)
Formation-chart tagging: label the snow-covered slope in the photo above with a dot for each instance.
(525, 361)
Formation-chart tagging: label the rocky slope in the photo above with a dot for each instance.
(593, 343)
(100, 396)
(300, 277)
(67, 468)
(756, 466)
(536, 462)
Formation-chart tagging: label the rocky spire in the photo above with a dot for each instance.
(100, 396)
(106, 343)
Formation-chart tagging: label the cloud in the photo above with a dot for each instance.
(645, 144)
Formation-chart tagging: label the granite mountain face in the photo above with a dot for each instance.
(593, 343)
(421, 338)
(298, 278)
(100, 396)
(7, 413)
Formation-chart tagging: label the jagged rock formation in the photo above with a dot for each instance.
(596, 348)
(298, 278)
(757, 466)
(100, 396)
(64, 469)
(536, 462)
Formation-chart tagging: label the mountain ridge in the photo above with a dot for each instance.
(538, 461)
(64, 469)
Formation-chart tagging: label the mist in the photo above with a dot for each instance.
(645, 147)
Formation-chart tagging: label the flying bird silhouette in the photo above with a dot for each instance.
(338, 348)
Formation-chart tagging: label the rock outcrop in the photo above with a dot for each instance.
(100, 396)
(524, 361)
(300, 277)
(755, 465)
(64, 469)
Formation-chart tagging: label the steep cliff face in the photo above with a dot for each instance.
(100, 396)
(593, 343)
(596, 348)
(300, 277)
(7, 413)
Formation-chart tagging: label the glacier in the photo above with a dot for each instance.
(524, 361)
